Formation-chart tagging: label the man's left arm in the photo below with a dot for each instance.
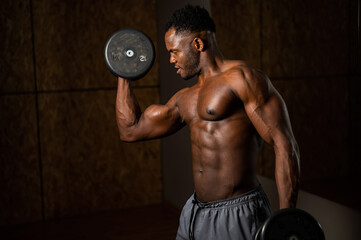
(268, 113)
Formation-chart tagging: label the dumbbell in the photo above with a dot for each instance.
(129, 53)
(290, 224)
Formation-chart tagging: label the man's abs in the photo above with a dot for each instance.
(224, 156)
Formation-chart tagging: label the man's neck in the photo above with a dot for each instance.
(212, 63)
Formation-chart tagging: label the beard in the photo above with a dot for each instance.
(191, 67)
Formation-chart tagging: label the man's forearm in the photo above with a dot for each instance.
(287, 174)
(127, 108)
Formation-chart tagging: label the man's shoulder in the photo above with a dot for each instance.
(243, 78)
(182, 92)
(179, 95)
(239, 71)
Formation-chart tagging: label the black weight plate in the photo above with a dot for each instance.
(129, 53)
(290, 224)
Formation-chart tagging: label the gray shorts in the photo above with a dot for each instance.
(235, 218)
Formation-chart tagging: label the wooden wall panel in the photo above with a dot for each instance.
(238, 28)
(86, 166)
(70, 37)
(16, 61)
(305, 38)
(20, 198)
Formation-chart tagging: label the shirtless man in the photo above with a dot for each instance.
(230, 111)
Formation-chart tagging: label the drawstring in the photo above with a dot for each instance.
(191, 223)
(200, 205)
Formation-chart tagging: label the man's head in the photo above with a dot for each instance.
(185, 39)
(191, 19)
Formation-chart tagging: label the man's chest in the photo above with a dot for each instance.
(209, 103)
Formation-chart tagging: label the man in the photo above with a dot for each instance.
(230, 111)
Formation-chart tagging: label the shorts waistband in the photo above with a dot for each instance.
(240, 199)
(244, 197)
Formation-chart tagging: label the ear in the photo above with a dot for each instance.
(198, 44)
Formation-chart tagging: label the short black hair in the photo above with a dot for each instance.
(192, 19)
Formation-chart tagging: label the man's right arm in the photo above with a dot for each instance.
(156, 121)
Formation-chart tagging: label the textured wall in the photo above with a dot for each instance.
(60, 152)
(309, 50)
(238, 29)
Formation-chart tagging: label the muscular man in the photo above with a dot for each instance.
(230, 111)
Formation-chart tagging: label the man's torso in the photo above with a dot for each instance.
(225, 145)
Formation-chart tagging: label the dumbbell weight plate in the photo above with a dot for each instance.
(290, 224)
(129, 53)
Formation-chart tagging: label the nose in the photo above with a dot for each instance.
(172, 59)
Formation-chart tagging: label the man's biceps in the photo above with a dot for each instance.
(160, 117)
(156, 112)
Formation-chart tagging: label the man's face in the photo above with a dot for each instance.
(184, 58)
